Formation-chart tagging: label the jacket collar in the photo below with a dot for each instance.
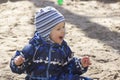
(37, 39)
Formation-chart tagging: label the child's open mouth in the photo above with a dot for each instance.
(61, 37)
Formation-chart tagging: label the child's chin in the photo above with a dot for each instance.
(60, 42)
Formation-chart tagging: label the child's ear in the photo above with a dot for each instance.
(50, 36)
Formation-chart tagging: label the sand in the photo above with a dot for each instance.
(93, 29)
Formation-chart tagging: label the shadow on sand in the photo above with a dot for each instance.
(91, 29)
(104, 1)
(4, 1)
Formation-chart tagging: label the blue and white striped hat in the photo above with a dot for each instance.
(46, 19)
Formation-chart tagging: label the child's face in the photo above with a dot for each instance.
(58, 33)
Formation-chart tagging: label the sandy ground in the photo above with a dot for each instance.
(93, 29)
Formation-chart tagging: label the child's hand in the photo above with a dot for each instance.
(85, 61)
(19, 60)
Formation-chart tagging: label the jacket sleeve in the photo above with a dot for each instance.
(74, 65)
(27, 53)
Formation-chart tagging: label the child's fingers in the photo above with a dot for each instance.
(86, 61)
(19, 60)
(22, 58)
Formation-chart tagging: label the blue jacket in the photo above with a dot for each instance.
(47, 61)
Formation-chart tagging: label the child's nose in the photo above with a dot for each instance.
(63, 30)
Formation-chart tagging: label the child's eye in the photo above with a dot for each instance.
(58, 29)
(63, 26)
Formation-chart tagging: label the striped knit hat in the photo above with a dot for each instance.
(46, 19)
